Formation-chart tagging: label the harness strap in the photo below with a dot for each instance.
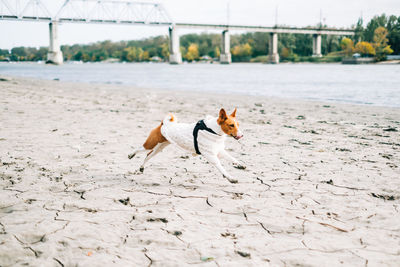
(200, 125)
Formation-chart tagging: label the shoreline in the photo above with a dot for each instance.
(236, 94)
(385, 62)
(321, 183)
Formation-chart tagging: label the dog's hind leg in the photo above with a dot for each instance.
(140, 150)
(157, 149)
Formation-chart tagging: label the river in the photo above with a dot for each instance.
(372, 84)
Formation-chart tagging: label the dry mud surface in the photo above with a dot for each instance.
(321, 188)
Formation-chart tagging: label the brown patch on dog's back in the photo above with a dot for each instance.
(154, 138)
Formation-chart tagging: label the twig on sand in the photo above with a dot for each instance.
(324, 224)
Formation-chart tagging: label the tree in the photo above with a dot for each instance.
(393, 27)
(381, 43)
(241, 52)
(285, 53)
(130, 54)
(373, 24)
(145, 56)
(217, 52)
(303, 44)
(359, 31)
(165, 51)
(332, 44)
(347, 46)
(20, 53)
(192, 52)
(365, 49)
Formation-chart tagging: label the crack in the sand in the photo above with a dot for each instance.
(26, 246)
(59, 262)
(262, 182)
(324, 224)
(151, 261)
(3, 229)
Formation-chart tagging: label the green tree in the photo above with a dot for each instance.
(373, 24)
(359, 31)
(393, 27)
(165, 51)
(303, 44)
(20, 53)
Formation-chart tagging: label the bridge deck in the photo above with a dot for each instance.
(250, 28)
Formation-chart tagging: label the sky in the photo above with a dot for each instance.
(335, 13)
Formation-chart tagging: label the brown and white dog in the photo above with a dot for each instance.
(206, 137)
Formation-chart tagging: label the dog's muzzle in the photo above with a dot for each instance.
(237, 137)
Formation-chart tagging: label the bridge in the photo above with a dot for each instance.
(143, 13)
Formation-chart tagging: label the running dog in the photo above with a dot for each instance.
(206, 137)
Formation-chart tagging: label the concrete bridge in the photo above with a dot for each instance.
(143, 13)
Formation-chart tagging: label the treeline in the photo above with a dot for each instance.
(244, 47)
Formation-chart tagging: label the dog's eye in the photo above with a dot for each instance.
(232, 125)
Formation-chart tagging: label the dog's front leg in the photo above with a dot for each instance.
(213, 159)
(228, 157)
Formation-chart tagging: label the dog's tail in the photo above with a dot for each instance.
(168, 119)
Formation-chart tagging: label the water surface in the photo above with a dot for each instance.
(360, 84)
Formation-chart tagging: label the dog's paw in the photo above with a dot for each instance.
(130, 156)
(231, 180)
(239, 166)
(139, 171)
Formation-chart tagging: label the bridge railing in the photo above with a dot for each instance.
(112, 11)
(87, 11)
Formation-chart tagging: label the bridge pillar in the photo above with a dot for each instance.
(54, 56)
(225, 56)
(273, 56)
(175, 56)
(317, 45)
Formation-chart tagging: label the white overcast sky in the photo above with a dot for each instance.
(337, 13)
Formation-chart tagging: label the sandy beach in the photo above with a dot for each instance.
(321, 188)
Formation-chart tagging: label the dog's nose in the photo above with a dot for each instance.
(237, 137)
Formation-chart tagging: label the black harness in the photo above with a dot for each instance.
(200, 125)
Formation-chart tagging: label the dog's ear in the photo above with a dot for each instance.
(222, 116)
(234, 113)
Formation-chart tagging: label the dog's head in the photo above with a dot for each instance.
(229, 124)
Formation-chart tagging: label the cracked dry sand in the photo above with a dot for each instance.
(321, 187)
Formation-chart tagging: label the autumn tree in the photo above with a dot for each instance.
(365, 49)
(192, 52)
(381, 43)
(347, 46)
(217, 52)
(285, 53)
(241, 52)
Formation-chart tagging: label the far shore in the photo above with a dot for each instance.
(200, 62)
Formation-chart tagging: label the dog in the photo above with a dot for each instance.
(206, 137)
